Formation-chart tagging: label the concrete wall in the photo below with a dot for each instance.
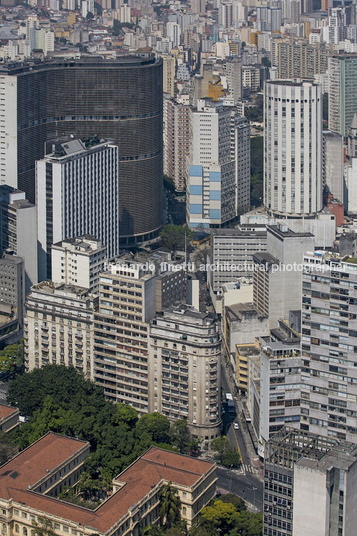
(310, 503)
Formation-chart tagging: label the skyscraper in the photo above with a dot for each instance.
(293, 147)
(77, 194)
(115, 99)
(342, 95)
(212, 182)
(329, 344)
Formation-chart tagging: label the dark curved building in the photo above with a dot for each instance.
(117, 99)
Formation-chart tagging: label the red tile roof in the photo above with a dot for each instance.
(50, 451)
(5, 411)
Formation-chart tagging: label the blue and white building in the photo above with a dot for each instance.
(211, 184)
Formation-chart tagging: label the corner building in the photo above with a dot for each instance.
(117, 99)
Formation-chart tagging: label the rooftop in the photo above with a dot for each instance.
(48, 453)
(6, 411)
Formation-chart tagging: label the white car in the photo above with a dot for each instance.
(235, 426)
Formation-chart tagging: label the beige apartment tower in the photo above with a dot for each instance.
(184, 350)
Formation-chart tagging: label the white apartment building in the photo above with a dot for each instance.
(59, 327)
(293, 147)
(231, 255)
(277, 273)
(18, 230)
(78, 261)
(184, 371)
(278, 402)
(77, 194)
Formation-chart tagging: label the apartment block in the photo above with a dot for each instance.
(59, 327)
(78, 262)
(309, 485)
(342, 71)
(277, 273)
(177, 141)
(18, 230)
(54, 462)
(232, 253)
(130, 295)
(184, 372)
(211, 187)
(77, 194)
(329, 346)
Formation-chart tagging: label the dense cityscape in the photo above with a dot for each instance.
(178, 268)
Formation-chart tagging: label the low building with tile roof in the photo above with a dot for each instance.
(31, 482)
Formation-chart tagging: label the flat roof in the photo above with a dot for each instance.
(31, 465)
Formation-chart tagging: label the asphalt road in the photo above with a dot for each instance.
(234, 436)
(247, 486)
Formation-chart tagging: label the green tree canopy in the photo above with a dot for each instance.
(226, 455)
(12, 358)
(155, 426)
(173, 237)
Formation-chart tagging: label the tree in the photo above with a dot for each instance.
(155, 426)
(43, 527)
(7, 448)
(64, 384)
(170, 506)
(222, 515)
(237, 502)
(126, 414)
(226, 455)
(89, 16)
(181, 436)
(12, 359)
(173, 237)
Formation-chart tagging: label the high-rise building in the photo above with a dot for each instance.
(65, 336)
(78, 262)
(77, 194)
(329, 342)
(240, 152)
(198, 7)
(297, 58)
(12, 294)
(128, 302)
(277, 273)
(184, 349)
(212, 183)
(333, 164)
(337, 28)
(234, 79)
(225, 14)
(342, 95)
(18, 230)
(232, 253)
(307, 485)
(278, 400)
(293, 147)
(82, 98)
(177, 141)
